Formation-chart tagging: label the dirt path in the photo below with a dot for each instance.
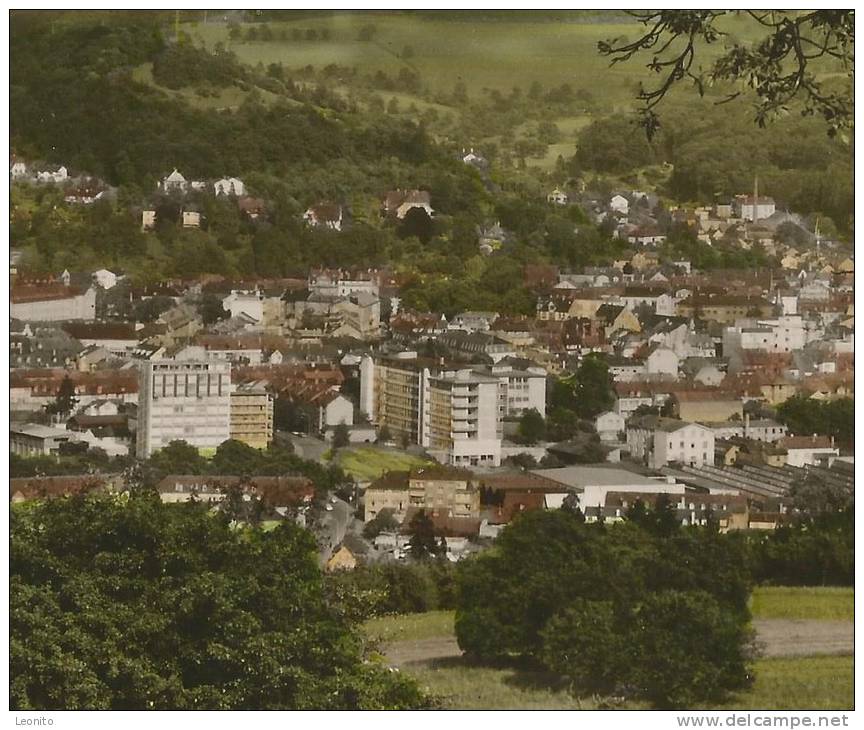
(775, 638)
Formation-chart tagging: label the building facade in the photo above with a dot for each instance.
(252, 416)
(183, 400)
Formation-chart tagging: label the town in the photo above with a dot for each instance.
(441, 354)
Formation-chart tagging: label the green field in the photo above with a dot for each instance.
(834, 604)
(813, 683)
(368, 462)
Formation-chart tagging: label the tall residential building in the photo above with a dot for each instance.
(455, 412)
(183, 400)
(252, 415)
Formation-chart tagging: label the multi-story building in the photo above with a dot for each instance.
(657, 441)
(442, 490)
(252, 415)
(456, 412)
(183, 400)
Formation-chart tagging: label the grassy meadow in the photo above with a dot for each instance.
(827, 604)
(813, 683)
(366, 463)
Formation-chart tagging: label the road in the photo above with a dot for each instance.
(774, 638)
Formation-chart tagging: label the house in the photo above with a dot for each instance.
(191, 217)
(398, 202)
(609, 425)
(55, 175)
(84, 193)
(619, 204)
(18, 170)
(229, 186)
(104, 278)
(662, 361)
(807, 450)
(647, 235)
(252, 208)
(750, 208)
(614, 318)
(728, 511)
(148, 219)
(25, 489)
(342, 559)
(557, 197)
(658, 441)
(324, 215)
(175, 182)
(33, 439)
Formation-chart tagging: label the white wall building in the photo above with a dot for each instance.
(244, 302)
(55, 306)
(229, 186)
(609, 424)
(183, 400)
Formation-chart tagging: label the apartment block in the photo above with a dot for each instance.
(454, 411)
(440, 490)
(252, 415)
(183, 400)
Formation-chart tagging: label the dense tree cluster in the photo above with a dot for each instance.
(125, 603)
(632, 609)
(805, 416)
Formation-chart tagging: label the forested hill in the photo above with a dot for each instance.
(75, 101)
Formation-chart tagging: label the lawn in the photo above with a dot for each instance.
(813, 683)
(410, 627)
(366, 463)
(835, 604)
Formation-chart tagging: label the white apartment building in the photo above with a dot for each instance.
(525, 387)
(183, 400)
(454, 412)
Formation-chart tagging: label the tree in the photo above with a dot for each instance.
(575, 597)
(592, 386)
(178, 457)
(780, 69)
(384, 521)
(236, 458)
(384, 435)
(341, 436)
(167, 607)
(424, 540)
(65, 400)
(532, 427)
(211, 309)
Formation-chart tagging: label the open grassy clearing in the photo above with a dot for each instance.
(410, 627)
(368, 462)
(812, 683)
(835, 604)
(229, 97)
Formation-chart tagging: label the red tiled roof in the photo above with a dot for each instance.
(23, 293)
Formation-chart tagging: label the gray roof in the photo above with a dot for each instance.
(579, 477)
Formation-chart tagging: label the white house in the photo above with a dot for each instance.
(326, 215)
(619, 204)
(175, 182)
(804, 450)
(58, 175)
(682, 442)
(609, 424)
(104, 278)
(243, 302)
(191, 219)
(748, 208)
(662, 362)
(18, 170)
(229, 186)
